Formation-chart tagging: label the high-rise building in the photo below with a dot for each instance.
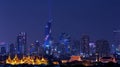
(102, 48)
(4, 48)
(37, 47)
(22, 43)
(85, 49)
(92, 48)
(48, 38)
(12, 49)
(32, 49)
(64, 40)
(75, 47)
(41, 49)
(116, 41)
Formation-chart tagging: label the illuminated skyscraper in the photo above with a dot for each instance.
(65, 43)
(37, 48)
(21, 43)
(32, 49)
(92, 48)
(48, 38)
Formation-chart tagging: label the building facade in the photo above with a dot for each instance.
(85, 49)
(48, 38)
(102, 48)
(4, 48)
(116, 41)
(22, 43)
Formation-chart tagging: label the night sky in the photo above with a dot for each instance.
(97, 18)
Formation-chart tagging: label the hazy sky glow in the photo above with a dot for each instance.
(98, 18)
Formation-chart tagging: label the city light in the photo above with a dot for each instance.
(59, 33)
(26, 60)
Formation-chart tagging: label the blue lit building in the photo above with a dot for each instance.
(48, 38)
(12, 49)
(92, 48)
(21, 43)
(48, 41)
(4, 48)
(35, 48)
(65, 43)
(32, 49)
(75, 47)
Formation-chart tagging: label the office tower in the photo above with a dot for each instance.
(12, 49)
(85, 45)
(64, 40)
(48, 38)
(75, 47)
(92, 48)
(54, 49)
(32, 49)
(3, 48)
(41, 49)
(116, 41)
(22, 43)
(37, 47)
(102, 48)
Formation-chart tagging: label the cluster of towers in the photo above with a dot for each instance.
(65, 45)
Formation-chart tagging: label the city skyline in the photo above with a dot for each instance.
(59, 33)
(98, 19)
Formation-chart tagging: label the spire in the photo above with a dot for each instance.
(49, 10)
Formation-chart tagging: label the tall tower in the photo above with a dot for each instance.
(21, 43)
(116, 41)
(12, 49)
(75, 47)
(3, 48)
(37, 47)
(48, 38)
(65, 43)
(85, 45)
(102, 47)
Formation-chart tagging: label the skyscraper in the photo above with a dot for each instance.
(32, 49)
(85, 45)
(12, 49)
(75, 47)
(48, 38)
(92, 48)
(37, 47)
(64, 40)
(102, 48)
(116, 41)
(22, 43)
(3, 48)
